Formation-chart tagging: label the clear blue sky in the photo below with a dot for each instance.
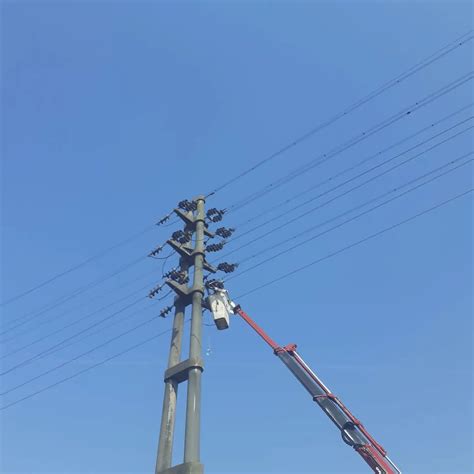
(114, 111)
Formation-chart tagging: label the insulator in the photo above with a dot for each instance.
(156, 251)
(216, 218)
(187, 205)
(183, 204)
(215, 247)
(179, 277)
(168, 274)
(181, 237)
(227, 267)
(165, 311)
(155, 291)
(164, 219)
(225, 232)
(185, 238)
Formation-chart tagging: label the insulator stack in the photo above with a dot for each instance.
(165, 311)
(225, 232)
(227, 267)
(181, 236)
(155, 252)
(155, 291)
(187, 205)
(215, 215)
(164, 219)
(179, 277)
(215, 247)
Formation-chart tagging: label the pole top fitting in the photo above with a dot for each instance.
(200, 197)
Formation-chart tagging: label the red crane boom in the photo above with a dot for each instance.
(352, 431)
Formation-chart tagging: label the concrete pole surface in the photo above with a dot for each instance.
(164, 456)
(193, 405)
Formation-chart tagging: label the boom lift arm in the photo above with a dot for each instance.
(352, 431)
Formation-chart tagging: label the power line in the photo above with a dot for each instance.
(69, 361)
(438, 54)
(98, 331)
(74, 308)
(253, 290)
(351, 219)
(237, 237)
(84, 262)
(317, 161)
(28, 317)
(334, 176)
(359, 242)
(69, 338)
(73, 323)
(299, 216)
(77, 266)
(87, 369)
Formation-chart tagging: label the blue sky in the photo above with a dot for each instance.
(112, 112)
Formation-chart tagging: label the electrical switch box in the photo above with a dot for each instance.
(221, 309)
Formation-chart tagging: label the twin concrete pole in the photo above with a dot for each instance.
(189, 370)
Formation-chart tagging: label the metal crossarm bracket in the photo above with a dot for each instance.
(181, 290)
(179, 372)
(188, 252)
(208, 267)
(190, 222)
(183, 249)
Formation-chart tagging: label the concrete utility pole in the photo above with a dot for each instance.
(191, 369)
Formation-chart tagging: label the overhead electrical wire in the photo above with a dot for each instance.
(89, 351)
(320, 159)
(438, 54)
(47, 350)
(359, 206)
(334, 176)
(225, 184)
(74, 340)
(255, 217)
(72, 323)
(87, 369)
(312, 228)
(389, 160)
(102, 328)
(69, 338)
(65, 298)
(351, 219)
(78, 265)
(253, 290)
(55, 317)
(355, 244)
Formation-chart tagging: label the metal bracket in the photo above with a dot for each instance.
(184, 250)
(190, 222)
(182, 291)
(188, 253)
(179, 372)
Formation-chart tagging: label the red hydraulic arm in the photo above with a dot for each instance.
(353, 432)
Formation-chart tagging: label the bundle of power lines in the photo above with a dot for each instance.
(151, 297)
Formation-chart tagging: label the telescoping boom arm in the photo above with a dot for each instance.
(353, 432)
